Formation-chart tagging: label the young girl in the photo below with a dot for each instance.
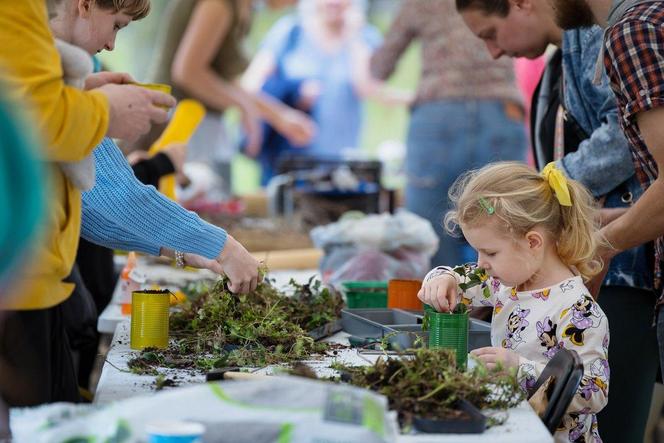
(536, 237)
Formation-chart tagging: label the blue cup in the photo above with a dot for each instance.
(174, 432)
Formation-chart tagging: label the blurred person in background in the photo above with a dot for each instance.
(200, 53)
(318, 61)
(467, 111)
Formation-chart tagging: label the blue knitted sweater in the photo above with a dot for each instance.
(122, 213)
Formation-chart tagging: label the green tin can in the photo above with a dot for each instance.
(449, 331)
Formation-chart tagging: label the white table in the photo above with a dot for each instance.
(522, 425)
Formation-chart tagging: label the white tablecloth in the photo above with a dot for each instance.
(522, 425)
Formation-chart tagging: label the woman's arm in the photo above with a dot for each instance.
(366, 86)
(206, 31)
(261, 67)
(119, 199)
(397, 39)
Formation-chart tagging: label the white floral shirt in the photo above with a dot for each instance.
(535, 324)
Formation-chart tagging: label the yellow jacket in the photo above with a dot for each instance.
(71, 123)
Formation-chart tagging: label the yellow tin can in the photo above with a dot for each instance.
(149, 319)
(161, 87)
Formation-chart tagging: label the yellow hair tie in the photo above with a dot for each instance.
(558, 183)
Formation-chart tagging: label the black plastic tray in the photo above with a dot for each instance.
(474, 422)
(404, 327)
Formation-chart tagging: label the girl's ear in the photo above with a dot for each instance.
(85, 8)
(525, 5)
(535, 240)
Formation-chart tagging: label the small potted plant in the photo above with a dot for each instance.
(450, 329)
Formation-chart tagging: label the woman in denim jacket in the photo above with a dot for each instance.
(602, 162)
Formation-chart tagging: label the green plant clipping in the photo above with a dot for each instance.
(473, 276)
(217, 328)
(427, 383)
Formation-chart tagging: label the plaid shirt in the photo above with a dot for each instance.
(634, 61)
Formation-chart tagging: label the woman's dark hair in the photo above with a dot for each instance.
(489, 7)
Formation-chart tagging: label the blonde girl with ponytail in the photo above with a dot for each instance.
(536, 236)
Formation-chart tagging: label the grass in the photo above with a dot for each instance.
(135, 45)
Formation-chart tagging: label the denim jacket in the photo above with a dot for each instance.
(602, 162)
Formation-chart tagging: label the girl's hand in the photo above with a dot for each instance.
(490, 356)
(440, 293)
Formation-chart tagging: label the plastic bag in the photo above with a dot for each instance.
(378, 265)
(382, 232)
(273, 409)
(376, 247)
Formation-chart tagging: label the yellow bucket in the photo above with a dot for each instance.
(149, 319)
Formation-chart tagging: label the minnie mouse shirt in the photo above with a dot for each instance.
(536, 324)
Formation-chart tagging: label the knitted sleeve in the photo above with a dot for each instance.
(143, 217)
(99, 230)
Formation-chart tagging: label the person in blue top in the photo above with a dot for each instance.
(119, 211)
(601, 161)
(318, 61)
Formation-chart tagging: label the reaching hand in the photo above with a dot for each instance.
(491, 356)
(134, 109)
(440, 293)
(252, 129)
(240, 267)
(137, 156)
(297, 127)
(104, 78)
(310, 90)
(200, 262)
(177, 154)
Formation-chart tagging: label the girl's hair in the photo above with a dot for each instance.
(519, 198)
(136, 9)
(489, 7)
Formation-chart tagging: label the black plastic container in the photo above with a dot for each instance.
(473, 422)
